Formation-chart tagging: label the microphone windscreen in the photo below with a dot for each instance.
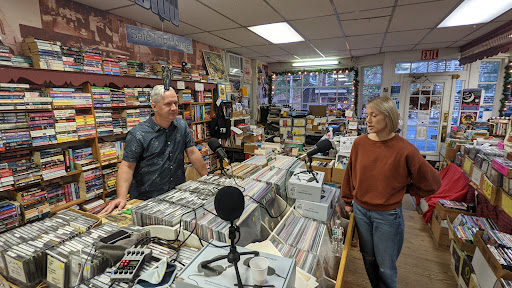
(229, 203)
(214, 144)
(324, 145)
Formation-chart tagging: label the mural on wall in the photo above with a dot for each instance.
(73, 23)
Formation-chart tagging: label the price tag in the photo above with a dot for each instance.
(487, 189)
(467, 165)
(506, 203)
(199, 86)
(181, 84)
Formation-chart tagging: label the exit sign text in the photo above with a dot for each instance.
(429, 54)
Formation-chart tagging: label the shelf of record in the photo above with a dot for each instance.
(190, 206)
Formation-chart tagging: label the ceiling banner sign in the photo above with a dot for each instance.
(152, 38)
(429, 54)
(165, 9)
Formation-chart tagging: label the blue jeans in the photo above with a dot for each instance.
(381, 236)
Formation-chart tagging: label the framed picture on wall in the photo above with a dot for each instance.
(215, 65)
(221, 90)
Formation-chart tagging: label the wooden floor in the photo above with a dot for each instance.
(420, 264)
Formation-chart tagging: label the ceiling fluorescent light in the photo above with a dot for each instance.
(476, 12)
(277, 33)
(316, 63)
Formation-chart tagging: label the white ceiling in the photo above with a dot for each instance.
(331, 28)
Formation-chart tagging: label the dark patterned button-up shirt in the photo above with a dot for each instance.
(159, 154)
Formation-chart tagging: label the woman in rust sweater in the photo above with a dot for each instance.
(382, 167)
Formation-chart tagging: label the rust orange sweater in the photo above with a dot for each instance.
(379, 173)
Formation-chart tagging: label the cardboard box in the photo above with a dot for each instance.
(467, 167)
(302, 186)
(337, 175)
(439, 230)
(456, 259)
(466, 270)
(449, 153)
(483, 271)
(327, 170)
(322, 210)
(495, 266)
(250, 147)
(467, 248)
(250, 138)
(473, 282)
(490, 191)
(299, 122)
(443, 212)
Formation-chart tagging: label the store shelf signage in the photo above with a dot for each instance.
(429, 54)
(157, 39)
(165, 9)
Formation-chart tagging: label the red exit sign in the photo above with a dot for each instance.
(429, 54)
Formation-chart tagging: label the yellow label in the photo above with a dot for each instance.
(506, 203)
(467, 165)
(19, 263)
(487, 188)
(61, 266)
(86, 268)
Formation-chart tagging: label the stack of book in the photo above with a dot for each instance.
(101, 96)
(91, 183)
(104, 122)
(10, 214)
(118, 99)
(131, 97)
(132, 118)
(24, 171)
(55, 193)
(37, 100)
(148, 71)
(118, 122)
(134, 68)
(144, 95)
(199, 131)
(176, 71)
(194, 76)
(42, 128)
(184, 113)
(45, 54)
(157, 67)
(119, 149)
(6, 177)
(5, 55)
(197, 113)
(94, 206)
(144, 114)
(14, 131)
(92, 60)
(21, 61)
(82, 156)
(73, 59)
(85, 126)
(51, 162)
(107, 153)
(453, 204)
(123, 64)
(111, 66)
(466, 226)
(11, 100)
(207, 96)
(109, 179)
(185, 96)
(65, 125)
(69, 98)
(33, 203)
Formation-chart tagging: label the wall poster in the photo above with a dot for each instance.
(215, 65)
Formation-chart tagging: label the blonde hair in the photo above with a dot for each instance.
(387, 106)
(158, 92)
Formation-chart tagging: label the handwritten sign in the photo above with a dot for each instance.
(180, 85)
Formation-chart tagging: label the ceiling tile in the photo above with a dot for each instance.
(332, 44)
(182, 30)
(344, 6)
(459, 43)
(397, 48)
(299, 49)
(241, 36)
(300, 9)
(420, 16)
(213, 40)
(197, 14)
(450, 33)
(366, 14)
(433, 45)
(484, 30)
(406, 2)
(364, 42)
(287, 58)
(365, 26)
(246, 52)
(106, 5)
(245, 12)
(404, 38)
(364, 52)
(266, 59)
(318, 28)
(140, 15)
(269, 50)
(341, 54)
(507, 16)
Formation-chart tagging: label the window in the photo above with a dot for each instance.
(372, 77)
(456, 102)
(433, 66)
(333, 89)
(487, 80)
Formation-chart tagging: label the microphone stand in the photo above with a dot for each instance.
(309, 169)
(220, 168)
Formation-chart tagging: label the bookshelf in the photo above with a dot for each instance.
(196, 107)
(85, 133)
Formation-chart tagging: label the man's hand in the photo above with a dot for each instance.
(348, 209)
(119, 203)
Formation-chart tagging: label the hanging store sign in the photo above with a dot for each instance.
(157, 39)
(429, 54)
(165, 9)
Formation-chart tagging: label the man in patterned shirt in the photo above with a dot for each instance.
(153, 160)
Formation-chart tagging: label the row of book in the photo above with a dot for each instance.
(10, 213)
(453, 204)
(200, 113)
(203, 96)
(200, 131)
(466, 226)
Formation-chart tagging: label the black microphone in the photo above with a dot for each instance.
(215, 146)
(321, 146)
(229, 203)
